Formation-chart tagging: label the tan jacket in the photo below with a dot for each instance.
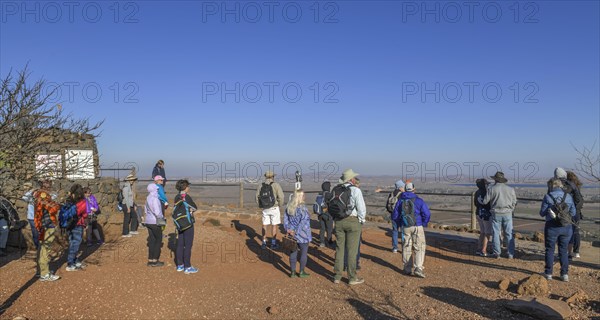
(277, 192)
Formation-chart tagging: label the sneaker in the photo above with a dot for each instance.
(274, 246)
(419, 273)
(304, 274)
(479, 253)
(394, 250)
(577, 256)
(158, 264)
(79, 265)
(407, 272)
(72, 268)
(264, 245)
(126, 235)
(49, 277)
(322, 245)
(293, 275)
(356, 281)
(564, 277)
(134, 232)
(180, 268)
(336, 281)
(510, 257)
(548, 276)
(190, 270)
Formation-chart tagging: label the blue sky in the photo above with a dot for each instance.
(371, 61)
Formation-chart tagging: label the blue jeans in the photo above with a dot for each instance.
(499, 223)
(34, 234)
(394, 235)
(303, 257)
(75, 236)
(553, 234)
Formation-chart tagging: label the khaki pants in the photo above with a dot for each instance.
(45, 246)
(347, 234)
(413, 239)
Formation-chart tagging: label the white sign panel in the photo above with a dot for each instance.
(48, 166)
(80, 164)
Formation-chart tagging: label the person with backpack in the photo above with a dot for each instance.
(159, 170)
(183, 217)
(412, 215)
(483, 217)
(558, 208)
(269, 197)
(389, 206)
(46, 221)
(93, 210)
(347, 207)
(74, 224)
(29, 199)
(325, 219)
(130, 218)
(296, 222)
(154, 217)
(572, 186)
(502, 200)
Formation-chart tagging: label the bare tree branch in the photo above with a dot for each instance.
(588, 162)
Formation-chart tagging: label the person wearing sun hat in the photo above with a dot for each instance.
(130, 219)
(348, 230)
(502, 200)
(269, 197)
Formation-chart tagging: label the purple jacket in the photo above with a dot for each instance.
(422, 214)
(91, 203)
(153, 205)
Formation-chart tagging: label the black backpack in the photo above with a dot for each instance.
(182, 216)
(266, 198)
(338, 202)
(407, 213)
(561, 209)
(120, 197)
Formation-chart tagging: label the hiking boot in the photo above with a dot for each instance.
(49, 277)
(419, 273)
(577, 256)
(190, 270)
(158, 264)
(72, 268)
(322, 245)
(293, 274)
(274, 246)
(263, 246)
(180, 268)
(79, 265)
(336, 281)
(126, 236)
(407, 272)
(304, 274)
(564, 277)
(356, 281)
(548, 276)
(481, 254)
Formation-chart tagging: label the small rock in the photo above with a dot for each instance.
(538, 236)
(536, 286)
(541, 308)
(272, 310)
(579, 296)
(504, 284)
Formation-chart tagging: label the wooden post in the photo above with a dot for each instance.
(241, 194)
(473, 212)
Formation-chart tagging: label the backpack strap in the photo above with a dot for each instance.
(554, 199)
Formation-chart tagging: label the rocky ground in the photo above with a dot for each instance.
(239, 280)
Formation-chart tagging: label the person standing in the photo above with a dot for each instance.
(325, 219)
(348, 228)
(46, 220)
(296, 222)
(572, 186)
(92, 221)
(554, 231)
(77, 199)
(412, 214)
(390, 206)
(130, 219)
(153, 215)
(502, 200)
(159, 170)
(29, 199)
(185, 238)
(483, 217)
(269, 197)
(159, 180)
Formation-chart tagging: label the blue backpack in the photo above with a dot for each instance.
(67, 216)
(182, 216)
(318, 206)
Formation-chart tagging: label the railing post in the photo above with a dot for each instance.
(241, 194)
(473, 212)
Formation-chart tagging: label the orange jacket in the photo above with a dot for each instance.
(44, 202)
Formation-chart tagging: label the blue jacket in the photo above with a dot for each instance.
(558, 194)
(300, 223)
(422, 214)
(161, 194)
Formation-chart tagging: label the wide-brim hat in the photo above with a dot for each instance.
(499, 177)
(269, 174)
(131, 177)
(348, 175)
